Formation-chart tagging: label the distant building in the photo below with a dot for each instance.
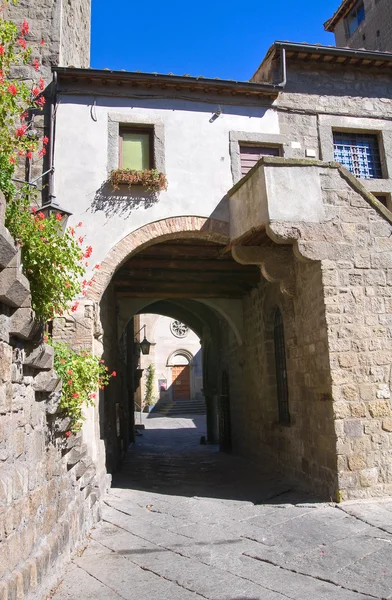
(363, 24)
(176, 356)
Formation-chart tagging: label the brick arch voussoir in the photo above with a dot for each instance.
(159, 231)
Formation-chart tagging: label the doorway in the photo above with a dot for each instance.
(181, 382)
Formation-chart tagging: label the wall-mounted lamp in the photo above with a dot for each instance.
(52, 208)
(144, 345)
(216, 114)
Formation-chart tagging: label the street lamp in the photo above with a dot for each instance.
(52, 208)
(144, 345)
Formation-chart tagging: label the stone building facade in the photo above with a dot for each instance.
(332, 442)
(175, 354)
(283, 273)
(363, 24)
(63, 25)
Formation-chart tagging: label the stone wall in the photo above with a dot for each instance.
(305, 451)
(374, 33)
(353, 246)
(75, 33)
(64, 25)
(48, 497)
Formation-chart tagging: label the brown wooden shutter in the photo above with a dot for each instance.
(251, 154)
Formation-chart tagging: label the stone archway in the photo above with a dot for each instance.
(201, 228)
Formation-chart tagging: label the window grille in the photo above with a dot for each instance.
(281, 369)
(359, 153)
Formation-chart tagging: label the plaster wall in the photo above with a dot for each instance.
(197, 162)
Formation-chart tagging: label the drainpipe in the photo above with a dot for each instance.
(283, 68)
(51, 138)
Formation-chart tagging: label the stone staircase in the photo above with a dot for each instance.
(172, 408)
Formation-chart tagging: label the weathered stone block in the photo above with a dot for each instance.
(379, 409)
(14, 288)
(358, 410)
(353, 428)
(368, 477)
(5, 362)
(39, 356)
(387, 424)
(357, 462)
(46, 381)
(76, 454)
(23, 323)
(6, 397)
(7, 247)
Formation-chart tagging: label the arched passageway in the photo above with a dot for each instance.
(185, 270)
(193, 281)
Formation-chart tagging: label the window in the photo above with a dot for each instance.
(359, 153)
(281, 369)
(355, 18)
(385, 199)
(136, 150)
(250, 154)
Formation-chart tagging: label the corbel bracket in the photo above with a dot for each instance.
(276, 264)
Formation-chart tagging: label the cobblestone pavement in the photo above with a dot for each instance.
(183, 521)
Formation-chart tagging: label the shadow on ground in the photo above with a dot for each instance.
(169, 459)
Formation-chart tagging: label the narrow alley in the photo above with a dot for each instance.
(184, 521)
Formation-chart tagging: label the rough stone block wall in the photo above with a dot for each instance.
(305, 450)
(64, 25)
(75, 33)
(374, 33)
(358, 299)
(48, 497)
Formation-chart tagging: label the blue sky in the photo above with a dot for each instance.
(212, 38)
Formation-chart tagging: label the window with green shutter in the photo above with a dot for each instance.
(136, 149)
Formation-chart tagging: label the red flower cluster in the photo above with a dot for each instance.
(88, 252)
(21, 131)
(24, 28)
(2, 49)
(12, 89)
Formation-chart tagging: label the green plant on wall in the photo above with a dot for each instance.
(150, 379)
(81, 373)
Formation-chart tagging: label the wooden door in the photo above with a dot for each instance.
(181, 382)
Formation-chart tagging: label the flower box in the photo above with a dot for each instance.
(151, 179)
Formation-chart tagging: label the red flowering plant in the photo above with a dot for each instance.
(82, 375)
(151, 179)
(53, 261)
(18, 97)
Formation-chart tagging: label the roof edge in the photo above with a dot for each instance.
(340, 13)
(107, 75)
